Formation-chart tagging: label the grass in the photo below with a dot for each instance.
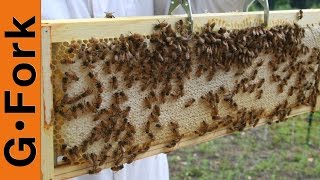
(279, 151)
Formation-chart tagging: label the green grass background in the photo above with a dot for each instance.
(276, 152)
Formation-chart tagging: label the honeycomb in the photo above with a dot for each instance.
(116, 97)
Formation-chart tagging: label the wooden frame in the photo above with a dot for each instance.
(67, 30)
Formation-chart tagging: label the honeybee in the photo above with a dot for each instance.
(67, 60)
(114, 82)
(290, 91)
(203, 129)
(239, 72)
(216, 117)
(254, 74)
(72, 75)
(158, 125)
(300, 14)
(145, 147)
(98, 101)
(160, 25)
(280, 88)
(63, 149)
(147, 127)
(153, 118)
(251, 88)
(189, 102)
(260, 83)
(123, 97)
(103, 159)
(74, 111)
(259, 94)
(147, 102)
(152, 96)
(90, 107)
(107, 67)
(210, 75)
(151, 136)
(131, 158)
(92, 77)
(260, 63)
(71, 100)
(199, 70)
(65, 83)
(109, 15)
(156, 110)
(222, 89)
(125, 113)
(74, 46)
(117, 168)
(130, 128)
(99, 87)
(84, 146)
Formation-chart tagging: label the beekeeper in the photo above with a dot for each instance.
(155, 167)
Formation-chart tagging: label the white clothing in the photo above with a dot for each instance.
(201, 6)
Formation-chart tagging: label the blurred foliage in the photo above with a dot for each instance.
(288, 4)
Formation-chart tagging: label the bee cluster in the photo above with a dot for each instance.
(117, 94)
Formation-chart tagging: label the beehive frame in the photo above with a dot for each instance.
(67, 30)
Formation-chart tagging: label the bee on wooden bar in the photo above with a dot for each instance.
(117, 168)
(189, 102)
(71, 75)
(114, 82)
(203, 129)
(300, 14)
(131, 158)
(161, 25)
(145, 147)
(109, 15)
